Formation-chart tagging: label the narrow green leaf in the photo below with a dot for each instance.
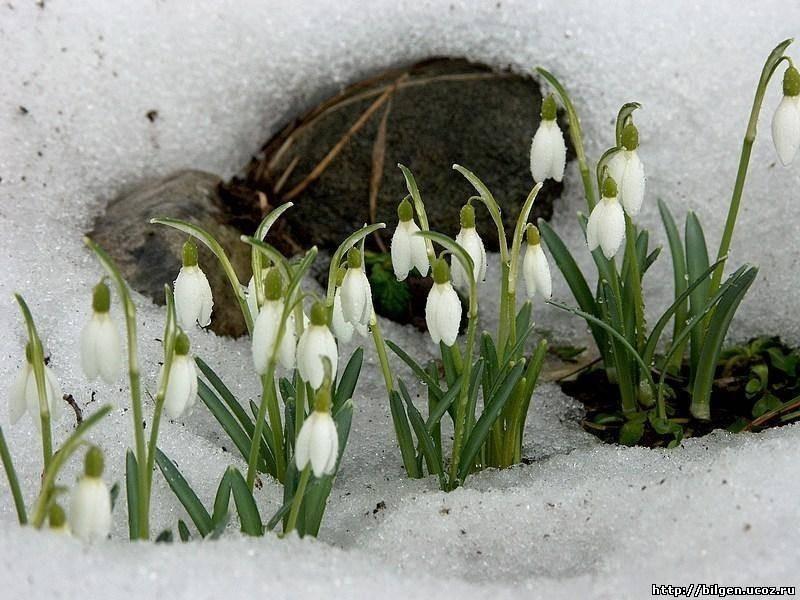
(249, 517)
(13, 480)
(346, 384)
(183, 531)
(226, 395)
(222, 500)
(132, 493)
(184, 493)
(428, 448)
(696, 265)
(402, 430)
(419, 372)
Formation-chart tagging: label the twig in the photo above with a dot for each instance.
(378, 159)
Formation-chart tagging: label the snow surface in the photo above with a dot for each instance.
(585, 519)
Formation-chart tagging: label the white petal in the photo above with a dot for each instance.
(541, 155)
(558, 152)
(431, 305)
(108, 349)
(252, 299)
(616, 166)
(786, 129)
(356, 297)
(443, 313)
(90, 509)
(302, 447)
(537, 272)
(265, 331)
(286, 353)
(473, 244)
(16, 394)
(633, 182)
(88, 344)
(341, 328)
(55, 396)
(611, 230)
(317, 341)
(324, 444)
(182, 381)
(401, 252)
(193, 300)
(595, 217)
(419, 252)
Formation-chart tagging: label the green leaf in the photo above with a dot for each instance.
(432, 458)
(184, 493)
(696, 263)
(249, 517)
(391, 296)
(491, 412)
(226, 395)
(165, 537)
(765, 404)
(566, 352)
(622, 116)
(347, 382)
(132, 493)
(712, 342)
(419, 372)
(679, 274)
(402, 430)
(631, 432)
(183, 531)
(222, 500)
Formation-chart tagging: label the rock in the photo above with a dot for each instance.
(149, 255)
(443, 111)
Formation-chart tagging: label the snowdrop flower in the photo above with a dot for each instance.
(408, 249)
(469, 239)
(101, 350)
(341, 328)
(181, 390)
(267, 325)
(90, 502)
(535, 269)
(318, 441)
(316, 343)
(548, 151)
(626, 168)
(24, 395)
(193, 300)
(443, 308)
(606, 227)
(786, 121)
(356, 294)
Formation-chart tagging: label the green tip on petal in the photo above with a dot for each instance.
(57, 517)
(273, 284)
(467, 216)
(319, 314)
(93, 463)
(630, 137)
(441, 271)
(533, 235)
(322, 399)
(405, 212)
(189, 253)
(549, 108)
(791, 82)
(101, 298)
(609, 188)
(354, 258)
(182, 344)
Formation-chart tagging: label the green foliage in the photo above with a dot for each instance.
(392, 298)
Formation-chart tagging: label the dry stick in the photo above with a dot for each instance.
(356, 127)
(285, 175)
(378, 159)
(767, 416)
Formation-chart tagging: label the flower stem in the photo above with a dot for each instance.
(380, 347)
(269, 403)
(771, 64)
(13, 481)
(297, 500)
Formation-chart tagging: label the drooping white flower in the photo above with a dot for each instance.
(408, 249)
(317, 443)
(341, 328)
(356, 293)
(606, 226)
(535, 269)
(267, 325)
(193, 300)
(626, 168)
(90, 502)
(181, 392)
(548, 150)
(469, 239)
(786, 120)
(443, 307)
(24, 394)
(101, 349)
(316, 343)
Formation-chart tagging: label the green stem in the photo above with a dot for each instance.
(269, 403)
(383, 358)
(13, 481)
(771, 64)
(133, 375)
(297, 500)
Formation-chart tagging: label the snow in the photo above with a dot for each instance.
(584, 519)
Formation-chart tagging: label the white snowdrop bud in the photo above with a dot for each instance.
(101, 349)
(267, 325)
(548, 151)
(193, 300)
(318, 441)
(606, 227)
(469, 239)
(626, 168)
(181, 392)
(443, 307)
(316, 343)
(786, 121)
(408, 249)
(341, 328)
(90, 502)
(24, 395)
(535, 269)
(356, 293)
